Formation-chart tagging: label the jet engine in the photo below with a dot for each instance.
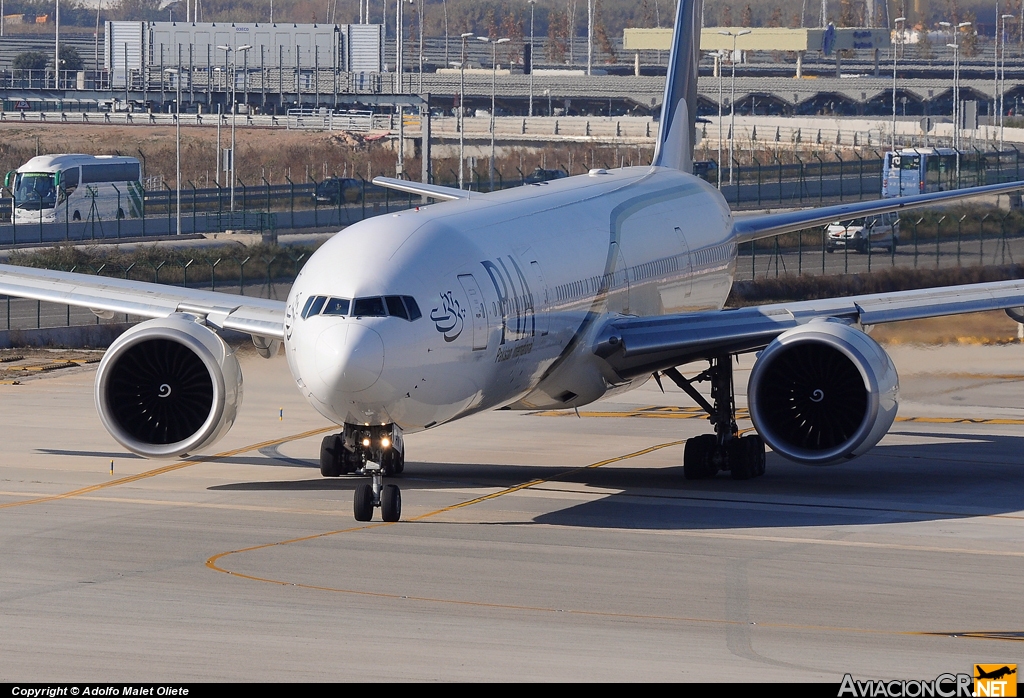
(823, 392)
(168, 387)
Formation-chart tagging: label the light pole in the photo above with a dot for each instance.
(995, 69)
(895, 53)
(56, 47)
(721, 99)
(732, 97)
(955, 30)
(462, 111)
(177, 147)
(444, 6)
(494, 89)
(1002, 82)
(533, 5)
(234, 108)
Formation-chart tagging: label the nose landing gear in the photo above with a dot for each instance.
(376, 451)
(369, 496)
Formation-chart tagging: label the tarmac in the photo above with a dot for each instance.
(532, 546)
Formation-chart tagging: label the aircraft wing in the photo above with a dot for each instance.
(256, 316)
(635, 346)
(432, 190)
(764, 226)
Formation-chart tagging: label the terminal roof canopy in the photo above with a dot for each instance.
(761, 39)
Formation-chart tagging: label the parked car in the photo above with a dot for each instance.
(338, 190)
(705, 169)
(542, 175)
(875, 231)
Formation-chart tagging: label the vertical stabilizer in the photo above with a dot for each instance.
(679, 111)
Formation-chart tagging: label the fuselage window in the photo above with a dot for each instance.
(337, 306)
(369, 307)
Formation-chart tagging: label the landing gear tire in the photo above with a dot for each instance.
(393, 462)
(697, 457)
(391, 503)
(362, 503)
(746, 457)
(332, 456)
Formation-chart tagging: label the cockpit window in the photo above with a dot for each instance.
(414, 310)
(404, 307)
(337, 306)
(369, 307)
(396, 308)
(307, 306)
(318, 304)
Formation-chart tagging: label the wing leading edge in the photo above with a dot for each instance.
(636, 346)
(751, 228)
(434, 191)
(256, 316)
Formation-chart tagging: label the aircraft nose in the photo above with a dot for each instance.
(349, 357)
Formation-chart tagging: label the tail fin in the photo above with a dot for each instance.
(679, 111)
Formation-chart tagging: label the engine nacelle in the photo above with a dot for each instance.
(168, 387)
(823, 392)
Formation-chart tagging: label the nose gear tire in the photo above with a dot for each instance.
(362, 503)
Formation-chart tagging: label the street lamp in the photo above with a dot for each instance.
(234, 107)
(462, 111)
(494, 88)
(895, 53)
(444, 6)
(1002, 82)
(177, 147)
(533, 5)
(721, 100)
(955, 31)
(732, 98)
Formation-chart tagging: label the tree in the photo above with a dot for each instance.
(601, 34)
(70, 58)
(747, 20)
(969, 35)
(30, 60)
(727, 16)
(556, 37)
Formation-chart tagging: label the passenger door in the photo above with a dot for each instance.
(477, 311)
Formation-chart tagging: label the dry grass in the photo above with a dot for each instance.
(993, 327)
(975, 328)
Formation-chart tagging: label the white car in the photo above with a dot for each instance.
(882, 231)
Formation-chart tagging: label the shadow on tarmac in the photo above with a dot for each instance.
(963, 476)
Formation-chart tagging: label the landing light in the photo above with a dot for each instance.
(366, 442)
(385, 442)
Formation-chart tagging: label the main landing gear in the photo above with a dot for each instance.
(705, 455)
(376, 451)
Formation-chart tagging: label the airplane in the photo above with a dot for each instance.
(996, 674)
(551, 295)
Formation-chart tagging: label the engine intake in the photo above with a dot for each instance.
(168, 387)
(823, 392)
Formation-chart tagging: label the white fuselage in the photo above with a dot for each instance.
(513, 286)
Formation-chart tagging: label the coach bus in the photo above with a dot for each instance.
(925, 170)
(71, 187)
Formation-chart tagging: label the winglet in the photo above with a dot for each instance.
(679, 110)
(431, 190)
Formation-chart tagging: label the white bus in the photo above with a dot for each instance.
(72, 187)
